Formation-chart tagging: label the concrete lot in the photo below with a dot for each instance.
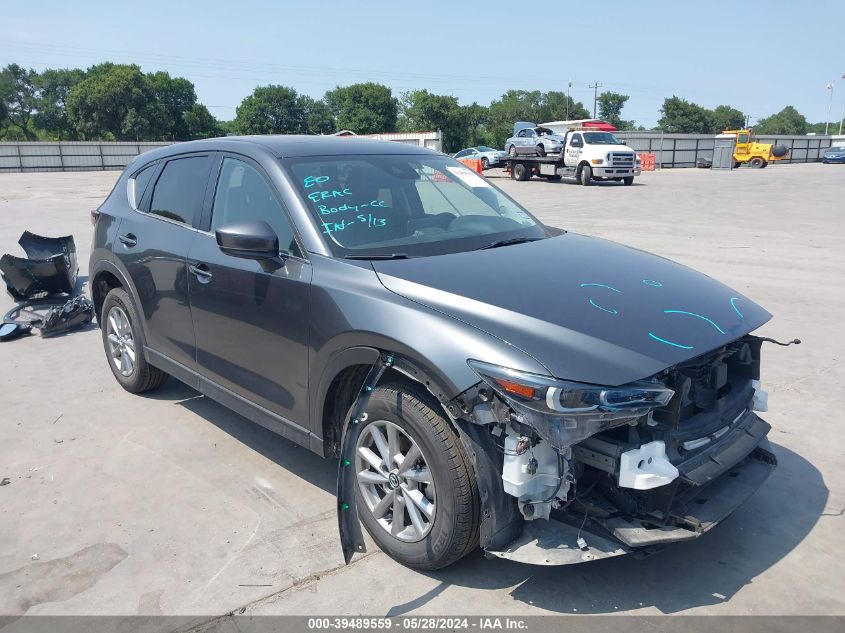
(169, 503)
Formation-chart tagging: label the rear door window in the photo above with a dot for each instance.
(180, 189)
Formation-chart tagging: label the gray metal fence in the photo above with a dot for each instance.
(683, 150)
(70, 155)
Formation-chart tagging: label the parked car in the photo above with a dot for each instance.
(483, 379)
(834, 155)
(536, 141)
(489, 157)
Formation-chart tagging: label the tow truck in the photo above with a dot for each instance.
(588, 155)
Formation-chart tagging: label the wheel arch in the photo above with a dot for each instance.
(341, 382)
(105, 276)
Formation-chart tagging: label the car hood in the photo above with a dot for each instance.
(587, 309)
(614, 148)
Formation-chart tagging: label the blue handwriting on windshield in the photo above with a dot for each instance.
(316, 196)
(368, 220)
(310, 181)
(324, 210)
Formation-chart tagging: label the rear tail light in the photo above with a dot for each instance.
(95, 215)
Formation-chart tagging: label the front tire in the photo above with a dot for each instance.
(416, 491)
(628, 180)
(123, 340)
(541, 150)
(485, 164)
(757, 162)
(586, 175)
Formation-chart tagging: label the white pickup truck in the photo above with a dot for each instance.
(587, 156)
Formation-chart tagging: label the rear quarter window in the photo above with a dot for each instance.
(137, 184)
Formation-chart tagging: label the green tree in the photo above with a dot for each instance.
(4, 122)
(475, 119)
(270, 110)
(610, 108)
(365, 108)
(199, 122)
(422, 110)
(534, 106)
(54, 86)
(17, 92)
(681, 116)
(170, 99)
(725, 117)
(111, 102)
(787, 121)
(227, 128)
(318, 116)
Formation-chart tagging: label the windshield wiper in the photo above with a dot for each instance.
(513, 240)
(389, 256)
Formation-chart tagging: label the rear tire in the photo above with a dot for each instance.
(585, 177)
(737, 165)
(512, 151)
(521, 171)
(485, 164)
(123, 341)
(414, 537)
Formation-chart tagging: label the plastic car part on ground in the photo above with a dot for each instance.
(50, 318)
(11, 331)
(49, 267)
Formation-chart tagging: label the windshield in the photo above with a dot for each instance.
(484, 148)
(416, 204)
(600, 138)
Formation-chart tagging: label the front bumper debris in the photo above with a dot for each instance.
(49, 267)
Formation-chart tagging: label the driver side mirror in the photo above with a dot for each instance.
(248, 240)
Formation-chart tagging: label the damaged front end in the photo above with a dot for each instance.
(596, 471)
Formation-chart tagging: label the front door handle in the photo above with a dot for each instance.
(201, 271)
(129, 240)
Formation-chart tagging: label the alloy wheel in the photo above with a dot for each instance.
(121, 342)
(395, 481)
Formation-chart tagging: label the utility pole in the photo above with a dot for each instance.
(568, 98)
(829, 106)
(843, 113)
(595, 88)
(747, 120)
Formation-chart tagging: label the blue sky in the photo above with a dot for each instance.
(756, 56)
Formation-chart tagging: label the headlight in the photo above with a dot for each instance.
(565, 412)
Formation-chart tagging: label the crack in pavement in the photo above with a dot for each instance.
(211, 623)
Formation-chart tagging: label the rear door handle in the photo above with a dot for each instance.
(201, 271)
(129, 240)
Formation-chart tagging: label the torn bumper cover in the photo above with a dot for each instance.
(50, 267)
(707, 491)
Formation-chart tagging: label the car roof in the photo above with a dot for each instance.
(292, 145)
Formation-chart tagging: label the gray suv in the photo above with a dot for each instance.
(483, 380)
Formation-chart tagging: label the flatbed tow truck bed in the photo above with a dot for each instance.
(553, 168)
